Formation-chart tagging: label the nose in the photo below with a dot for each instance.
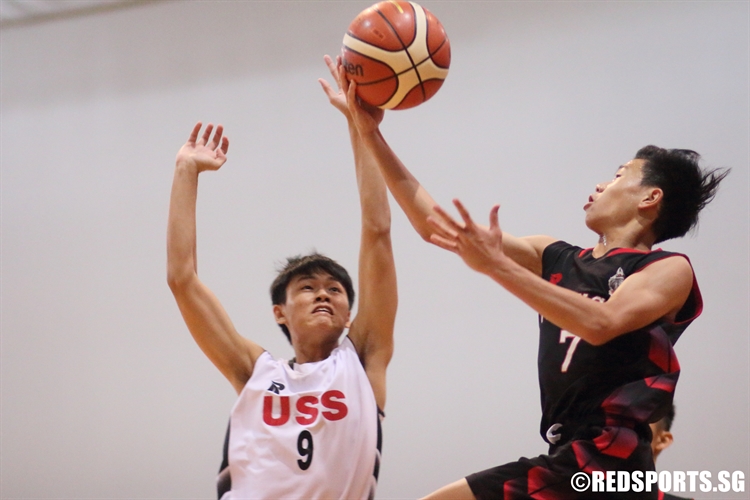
(601, 186)
(322, 295)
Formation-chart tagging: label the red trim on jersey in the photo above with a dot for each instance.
(616, 251)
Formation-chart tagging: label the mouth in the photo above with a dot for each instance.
(323, 309)
(589, 203)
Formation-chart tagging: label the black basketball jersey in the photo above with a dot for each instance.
(630, 380)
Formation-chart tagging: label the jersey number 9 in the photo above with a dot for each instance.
(305, 449)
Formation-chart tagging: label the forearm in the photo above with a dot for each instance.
(413, 199)
(373, 194)
(589, 319)
(377, 273)
(181, 232)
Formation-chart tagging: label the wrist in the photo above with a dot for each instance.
(186, 165)
(370, 136)
(502, 268)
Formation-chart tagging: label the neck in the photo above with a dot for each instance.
(617, 238)
(310, 353)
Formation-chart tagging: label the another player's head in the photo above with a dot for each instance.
(661, 436)
(311, 271)
(685, 186)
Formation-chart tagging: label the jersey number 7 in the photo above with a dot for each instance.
(564, 336)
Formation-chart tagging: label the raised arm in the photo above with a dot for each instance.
(417, 203)
(372, 328)
(658, 291)
(204, 315)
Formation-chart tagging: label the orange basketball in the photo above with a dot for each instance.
(398, 53)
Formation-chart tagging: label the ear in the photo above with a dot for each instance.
(662, 441)
(348, 319)
(279, 314)
(652, 197)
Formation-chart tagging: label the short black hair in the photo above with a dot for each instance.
(687, 188)
(303, 265)
(665, 423)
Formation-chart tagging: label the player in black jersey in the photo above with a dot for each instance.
(609, 315)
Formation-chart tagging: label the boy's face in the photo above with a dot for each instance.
(617, 201)
(316, 305)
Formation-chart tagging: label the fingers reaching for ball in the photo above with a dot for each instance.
(336, 97)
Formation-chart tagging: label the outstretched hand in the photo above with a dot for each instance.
(481, 248)
(206, 152)
(345, 99)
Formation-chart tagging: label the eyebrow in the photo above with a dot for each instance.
(312, 276)
(301, 277)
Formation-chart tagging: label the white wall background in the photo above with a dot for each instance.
(105, 395)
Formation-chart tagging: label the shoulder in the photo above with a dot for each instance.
(557, 251)
(346, 349)
(557, 247)
(668, 277)
(668, 264)
(641, 259)
(265, 364)
(670, 268)
(526, 250)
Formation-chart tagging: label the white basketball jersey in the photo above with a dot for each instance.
(308, 432)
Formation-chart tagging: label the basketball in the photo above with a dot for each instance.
(398, 53)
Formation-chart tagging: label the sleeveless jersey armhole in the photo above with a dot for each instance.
(693, 306)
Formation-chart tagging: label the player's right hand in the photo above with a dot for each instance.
(361, 112)
(336, 97)
(206, 152)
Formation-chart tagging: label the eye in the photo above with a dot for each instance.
(335, 289)
(306, 287)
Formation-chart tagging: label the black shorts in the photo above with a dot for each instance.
(548, 477)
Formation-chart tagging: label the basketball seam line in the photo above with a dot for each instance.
(413, 66)
(394, 73)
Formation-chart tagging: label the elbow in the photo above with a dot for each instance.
(178, 280)
(378, 227)
(382, 229)
(174, 282)
(596, 340)
(599, 331)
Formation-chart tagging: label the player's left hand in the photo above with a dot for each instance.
(481, 248)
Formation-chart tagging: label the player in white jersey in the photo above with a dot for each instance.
(309, 427)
